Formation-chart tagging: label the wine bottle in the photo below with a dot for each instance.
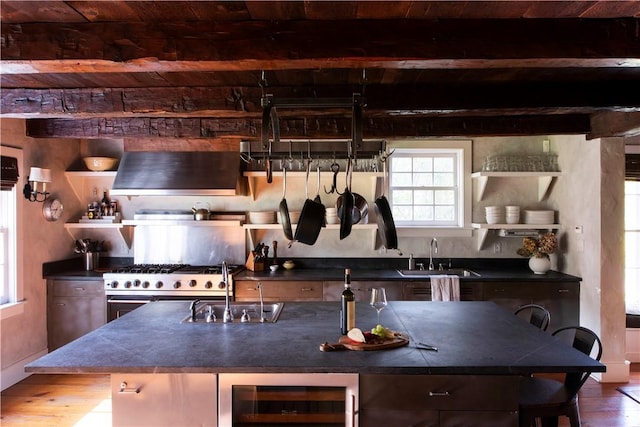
(348, 305)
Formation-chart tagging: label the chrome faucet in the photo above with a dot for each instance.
(433, 247)
(227, 316)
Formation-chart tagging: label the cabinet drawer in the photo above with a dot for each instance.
(439, 392)
(278, 290)
(75, 288)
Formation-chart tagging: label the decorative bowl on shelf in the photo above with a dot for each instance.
(288, 265)
(99, 164)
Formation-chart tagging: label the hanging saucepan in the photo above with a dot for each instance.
(384, 218)
(311, 217)
(346, 201)
(283, 213)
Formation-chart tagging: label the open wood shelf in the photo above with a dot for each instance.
(544, 180)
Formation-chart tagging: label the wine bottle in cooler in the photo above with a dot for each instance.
(348, 305)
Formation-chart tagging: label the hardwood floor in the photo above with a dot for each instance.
(85, 401)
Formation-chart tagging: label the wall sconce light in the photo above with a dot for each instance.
(36, 176)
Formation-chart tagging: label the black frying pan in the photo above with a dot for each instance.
(285, 220)
(384, 218)
(311, 217)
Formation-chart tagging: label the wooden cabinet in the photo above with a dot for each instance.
(74, 308)
(439, 400)
(164, 400)
(332, 290)
(278, 290)
(562, 299)
(421, 291)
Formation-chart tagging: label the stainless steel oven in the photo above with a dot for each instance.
(130, 287)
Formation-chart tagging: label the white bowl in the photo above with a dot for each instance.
(267, 217)
(273, 267)
(99, 164)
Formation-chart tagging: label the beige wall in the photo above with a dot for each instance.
(25, 335)
(581, 196)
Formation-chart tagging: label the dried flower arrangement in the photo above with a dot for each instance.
(539, 248)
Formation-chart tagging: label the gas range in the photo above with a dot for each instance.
(170, 280)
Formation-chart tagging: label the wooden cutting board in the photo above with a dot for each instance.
(346, 343)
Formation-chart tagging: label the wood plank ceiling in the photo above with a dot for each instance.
(198, 69)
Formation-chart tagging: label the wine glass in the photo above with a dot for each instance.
(378, 300)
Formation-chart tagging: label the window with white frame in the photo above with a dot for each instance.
(10, 237)
(426, 187)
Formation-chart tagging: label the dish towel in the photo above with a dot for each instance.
(445, 288)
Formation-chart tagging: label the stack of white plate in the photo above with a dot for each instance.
(294, 217)
(332, 216)
(493, 214)
(539, 217)
(512, 214)
(262, 217)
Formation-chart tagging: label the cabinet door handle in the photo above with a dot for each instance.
(60, 304)
(439, 393)
(79, 289)
(563, 291)
(124, 388)
(306, 289)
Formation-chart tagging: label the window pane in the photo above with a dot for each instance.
(423, 213)
(401, 164)
(444, 197)
(401, 179)
(443, 164)
(444, 213)
(402, 197)
(443, 179)
(423, 164)
(423, 197)
(422, 179)
(402, 213)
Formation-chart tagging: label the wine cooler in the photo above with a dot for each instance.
(269, 400)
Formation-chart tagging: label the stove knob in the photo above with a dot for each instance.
(159, 284)
(145, 284)
(114, 284)
(221, 285)
(176, 284)
(208, 285)
(192, 283)
(127, 284)
(136, 283)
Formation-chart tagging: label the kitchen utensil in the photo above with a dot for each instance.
(335, 168)
(384, 217)
(269, 116)
(347, 206)
(311, 218)
(284, 209)
(317, 198)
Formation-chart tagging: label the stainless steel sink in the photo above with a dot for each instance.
(271, 312)
(463, 272)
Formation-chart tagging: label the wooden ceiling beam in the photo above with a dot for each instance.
(607, 124)
(249, 128)
(308, 44)
(381, 100)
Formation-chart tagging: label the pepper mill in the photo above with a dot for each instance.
(275, 252)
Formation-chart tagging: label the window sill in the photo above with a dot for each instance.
(11, 309)
(433, 232)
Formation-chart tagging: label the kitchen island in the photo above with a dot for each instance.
(479, 345)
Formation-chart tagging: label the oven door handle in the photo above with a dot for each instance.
(129, 301)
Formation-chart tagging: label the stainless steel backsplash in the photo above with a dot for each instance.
(188, 244)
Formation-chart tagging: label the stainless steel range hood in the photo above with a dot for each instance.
(179, 173)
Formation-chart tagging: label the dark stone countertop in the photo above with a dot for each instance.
(472, 338)
(332, 269)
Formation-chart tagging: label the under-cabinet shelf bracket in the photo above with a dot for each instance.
(482, 236)
(482, 185)
(544, 182)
